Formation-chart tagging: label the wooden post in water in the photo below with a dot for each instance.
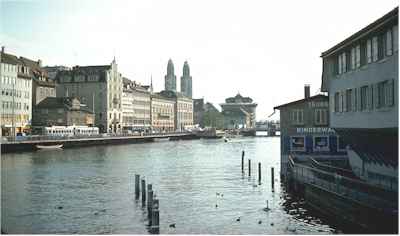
(150, 205)
(249, 167)
(137, 187)
(149, 188)
(259, 172)
(243, 161)
(143, 192)
(155, 227)
(272, 178)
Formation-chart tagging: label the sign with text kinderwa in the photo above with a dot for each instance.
(314, 130)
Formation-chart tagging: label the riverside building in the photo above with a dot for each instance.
(162, 113)
(305, 132)
(100, 87)
(61, 111)
(136, 102)
(360, 75)
(183, 110)
(239, 112)
(16, 95)
(42, 85)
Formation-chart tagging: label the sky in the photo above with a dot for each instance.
(266, 50)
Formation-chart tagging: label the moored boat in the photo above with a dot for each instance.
(57, 146)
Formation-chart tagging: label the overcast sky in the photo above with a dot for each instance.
(266, 50)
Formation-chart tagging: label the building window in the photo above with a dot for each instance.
(358, 56)
(363, 101)
(385, 94)
(342, 63)
(297, 116)
(353, 58)
(349, 99)
(321, 116)
(297, 143)
(381, 94)
(375, 48)
(389, 43)
(321, 143)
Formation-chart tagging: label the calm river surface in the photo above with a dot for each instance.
(91, 190)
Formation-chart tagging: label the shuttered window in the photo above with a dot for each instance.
(381, 94)
(375, 48)
(353, 58)
(369, 51)
(336, 102)
(321, 116)
(358, 56)
(389, 45)
(349, 100)
(389, 93)
(363, 100)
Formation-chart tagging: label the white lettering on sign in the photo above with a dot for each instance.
(314, 130)
(318, 104)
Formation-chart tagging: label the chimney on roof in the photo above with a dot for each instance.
(306, 91)
(39, 63)
(2, 49)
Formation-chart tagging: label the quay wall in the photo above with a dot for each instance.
(358, 217)
(24, 146)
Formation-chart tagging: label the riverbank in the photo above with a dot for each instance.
(30, 145)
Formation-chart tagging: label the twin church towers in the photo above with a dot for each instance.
(186, 79)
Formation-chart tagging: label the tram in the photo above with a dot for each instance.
(69, 131)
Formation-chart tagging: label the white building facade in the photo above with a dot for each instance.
(136, 102)
(16, 95)
(162, 113)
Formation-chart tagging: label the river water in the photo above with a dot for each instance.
(91, 190)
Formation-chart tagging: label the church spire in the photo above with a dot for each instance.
(186, 69)
(151, 83)
(170, 67)
(170, 78)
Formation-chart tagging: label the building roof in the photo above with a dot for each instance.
(392, 15)
(239, 99)
(91, 68)
(173, 94)
(160, 96)
(319, 96)
(34, 67)
(9, 59)
(379, 146)
(210, 107)
(61, 102)
(85, 70)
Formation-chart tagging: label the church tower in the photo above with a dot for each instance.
(186, 81)
(170, 78)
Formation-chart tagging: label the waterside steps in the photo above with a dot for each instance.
(337, 192)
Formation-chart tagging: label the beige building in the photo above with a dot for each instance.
(100, 87)
(136, 102)
(183, 110)
(162, 113)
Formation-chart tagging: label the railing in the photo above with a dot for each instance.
(353, 189)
